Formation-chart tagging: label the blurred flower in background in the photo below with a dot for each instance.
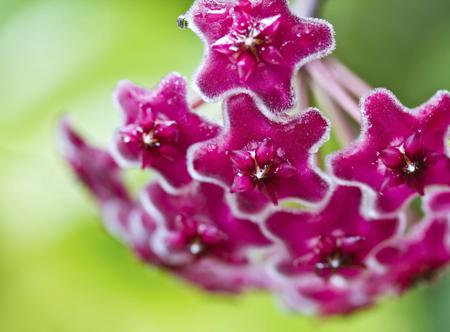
(58, 269)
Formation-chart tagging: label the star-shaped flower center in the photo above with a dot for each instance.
(250, 40)
(331, 253)
(407, 163)
(260, 168)
(194, 236)
(152, 135)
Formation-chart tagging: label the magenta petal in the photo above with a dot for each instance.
(210, 235)
(413, 145)
(94, 168)
(270, 54)
(285, 171)
(392, 158)
(391, 180)
(169, 152)
(130, 98)
(265, 153)
(242, 183)
(167, 130)
(241, 14)
(146, 117)
(269, 26)
(270, 190)
(242, 160)
(245, 64)
(225, 45)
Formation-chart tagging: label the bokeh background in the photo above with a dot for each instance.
(59, 270)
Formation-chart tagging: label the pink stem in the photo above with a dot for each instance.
(197, 103)
(320, 73)
(341, 127)
(302, 87)
(347, 78)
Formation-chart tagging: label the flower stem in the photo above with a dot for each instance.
(347, 78)
(302, 87)
(197, 103)
(341, 127)
(322, 75)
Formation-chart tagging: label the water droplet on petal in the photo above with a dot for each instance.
(182, 22)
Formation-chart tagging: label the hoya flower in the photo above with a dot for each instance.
(94, 168)
(335, 241)
(257, 46)
(197, 224)
(418, 258)
(260, 161)
(158, 129)
(401, 152)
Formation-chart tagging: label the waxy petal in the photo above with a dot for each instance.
(226, 45)
(413, 145)
(245, 64)
(271, 54)
(95, 168)
(269, 26)
(265, 153)
(285, 171)
(392, 158)
(242, 183)
(242, 160)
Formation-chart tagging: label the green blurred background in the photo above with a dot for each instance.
(59, 271)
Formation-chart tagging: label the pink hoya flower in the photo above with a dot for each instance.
(261, 161)
(419, 257)
(198, 224)
(95, 168)
(335, 241)
(401, 152)
(158, 128)
(256, 46)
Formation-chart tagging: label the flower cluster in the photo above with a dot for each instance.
(252, 202)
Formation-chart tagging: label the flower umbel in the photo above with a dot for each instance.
(253, 202)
